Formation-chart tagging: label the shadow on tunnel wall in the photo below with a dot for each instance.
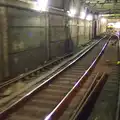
(69, 45)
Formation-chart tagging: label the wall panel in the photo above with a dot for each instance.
(34, 37)
(27, 40)
(57, 34)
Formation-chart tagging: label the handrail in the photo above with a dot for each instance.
(64, 102)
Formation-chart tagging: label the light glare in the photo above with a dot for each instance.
(82, 15)
(41, 5)
(89, 17)
(117, 25)
(111, 24)
(99, 16)
(103, 20)
(72, 12)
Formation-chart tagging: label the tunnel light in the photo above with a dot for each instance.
(103, 20)
(89, 17)
(111, 24)
(82, 15)
(117, 25)
(72, 12)
(99, 15)
(41, 5)
(36, 6)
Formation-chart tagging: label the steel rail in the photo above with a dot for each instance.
(16, 104)
(77, 110)
(58, 110)
(22, 76)
(6, 83)
(82, 107)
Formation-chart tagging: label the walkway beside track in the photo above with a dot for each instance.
(106, 105)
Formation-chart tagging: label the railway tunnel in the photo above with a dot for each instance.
(59, 59)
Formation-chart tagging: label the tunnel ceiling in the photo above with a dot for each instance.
(99, 6)
(104, 6)
(95, 6)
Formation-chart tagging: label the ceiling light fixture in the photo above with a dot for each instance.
(89, 17)
(82, 15)
(117, 25)
(41, 5)
(103, 20)
(72, 12)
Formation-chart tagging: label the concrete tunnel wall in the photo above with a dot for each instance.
(32, 38)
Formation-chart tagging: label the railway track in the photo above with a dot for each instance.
(106, 106)
(103, 103)
(14, 87)
(33, 73)
(53, 93)
(40, 70)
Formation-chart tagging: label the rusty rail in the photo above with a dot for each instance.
(59, 109)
